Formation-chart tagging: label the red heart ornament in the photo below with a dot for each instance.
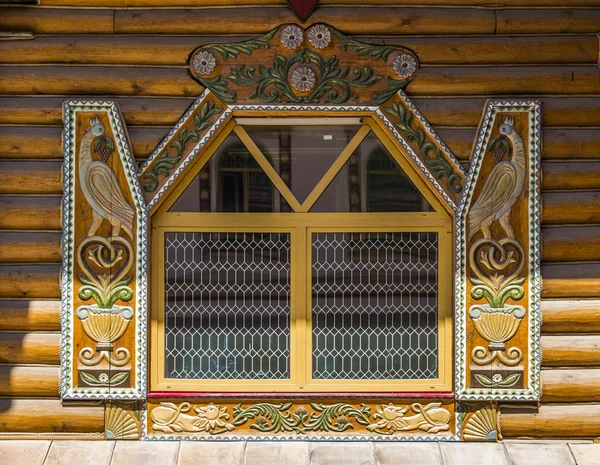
(302, 8)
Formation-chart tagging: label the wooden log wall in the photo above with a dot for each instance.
(138, 55)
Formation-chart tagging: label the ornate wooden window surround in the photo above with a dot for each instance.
(107, 349)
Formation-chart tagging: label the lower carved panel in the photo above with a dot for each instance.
(379, 419)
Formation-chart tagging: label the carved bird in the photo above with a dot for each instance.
(502, 188)
(101, 187)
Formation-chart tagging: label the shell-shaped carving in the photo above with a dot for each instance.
(497, 324)
(119, 424)
(104, 325)
(481, 425)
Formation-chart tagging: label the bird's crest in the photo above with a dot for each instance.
(94, 121)
(509, 121)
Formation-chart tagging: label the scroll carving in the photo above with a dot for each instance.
(103, 259)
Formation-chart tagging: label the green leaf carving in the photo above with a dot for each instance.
(275, 417)
(118, 378)
(233, 49)
(325, 420)
(166, 162)
(509, 381)
(432, 156)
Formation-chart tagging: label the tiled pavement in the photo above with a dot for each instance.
(296, 453)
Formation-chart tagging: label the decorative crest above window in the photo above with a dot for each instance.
(291, 65)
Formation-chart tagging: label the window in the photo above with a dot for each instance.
(302, 255)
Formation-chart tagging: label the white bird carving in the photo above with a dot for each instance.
(101, 187)
(502, 188)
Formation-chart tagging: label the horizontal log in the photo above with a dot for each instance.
(571, 143)
(571, 207)
(27, 142)
(30, 281)
(39, 381)
(27, 247)
(56, 21)
(50, 415)
(551, 421)
(565, 316)
(98, 80)
(571, 175)
(571, 281)
(570, 350)
(557, 111)
(136, 111)
(566, 244)
(547, 21)
(33, 348)
(30, 315)
(175, 51)
(31, 177)
(30, 212)
(570, 385)
(350, 20)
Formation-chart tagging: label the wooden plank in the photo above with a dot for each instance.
(94, 80)
(439, 111)
(571, 281)
(564, 316)
(27, 247)
(30, 315)
(350, 20)
(566, 244)
(551, 421)
(547, 21)
(99, 80)
(50, 416)
(571, 175)
(569, 350)
(30, 212)
(56, 21)
(557, 111)
(571, 385)
(571, 143)
(33, 348)
(36, 381)
(136, 111)
(31, 177)
(175, 51)
(27, 142)
(571, 207)
(30, 281)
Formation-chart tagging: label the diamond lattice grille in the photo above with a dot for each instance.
(227, 305)
(374, 305)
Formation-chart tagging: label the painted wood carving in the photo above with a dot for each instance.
(291, 65)
(479, 421)
(104, 247)
(498, 301)
(375, 418)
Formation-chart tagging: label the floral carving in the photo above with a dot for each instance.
(204, 63)
(432, 155)
(303, 79)
(165, 162)
(405, 65)
(319, 36)
(170, 418)
(291, 37)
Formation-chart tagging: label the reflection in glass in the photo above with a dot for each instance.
(374, 305)
(227, 305)
(301, 155)
(371, 181)
(231, 181)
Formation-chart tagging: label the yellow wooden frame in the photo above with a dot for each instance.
(300, 224)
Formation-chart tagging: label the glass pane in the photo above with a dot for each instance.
(227, 305)
(231, 181)
(374, 305)
(371, 181)
(302, 154)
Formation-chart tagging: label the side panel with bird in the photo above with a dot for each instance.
(104, 253)
(498, 317)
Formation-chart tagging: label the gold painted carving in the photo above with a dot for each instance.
(480, 424)
(431, 418)
(171, 418)
(120, 423)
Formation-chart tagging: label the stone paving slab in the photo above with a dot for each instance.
(69, 452)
